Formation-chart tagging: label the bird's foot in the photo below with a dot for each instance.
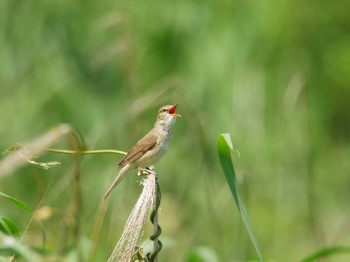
(146, 171)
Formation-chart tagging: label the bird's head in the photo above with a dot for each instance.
(167, 116)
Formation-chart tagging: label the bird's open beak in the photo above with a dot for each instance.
(172, 111)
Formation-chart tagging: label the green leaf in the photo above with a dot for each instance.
(17, 202)
(8, 226)
(324, 252)
(224, 150)
(26, 208)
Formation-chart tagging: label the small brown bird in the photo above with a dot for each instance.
(151, 147)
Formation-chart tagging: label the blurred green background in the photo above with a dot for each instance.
(274, 74)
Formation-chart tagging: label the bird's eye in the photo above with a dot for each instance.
(164, 110)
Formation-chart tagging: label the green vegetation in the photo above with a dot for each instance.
(225, 148)
(275, 75)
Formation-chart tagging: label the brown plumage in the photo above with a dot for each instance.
(148, 142)
(151, 147)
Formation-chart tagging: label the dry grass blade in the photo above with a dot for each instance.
(133, 229)
(21, 156)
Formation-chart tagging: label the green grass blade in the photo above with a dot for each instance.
(224, 150)
(324, 252)
(8, 226)
(17, 202)
(26, 208)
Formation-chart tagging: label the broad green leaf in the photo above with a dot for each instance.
(325, 252)
(17, 202)
(224, 150)
(8, 226)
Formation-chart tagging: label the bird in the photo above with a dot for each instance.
(151, 148)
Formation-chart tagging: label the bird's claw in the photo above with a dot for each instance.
(146, 171)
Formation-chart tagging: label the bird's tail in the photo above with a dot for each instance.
(118, 179)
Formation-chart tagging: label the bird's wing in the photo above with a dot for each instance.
(147, 143)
